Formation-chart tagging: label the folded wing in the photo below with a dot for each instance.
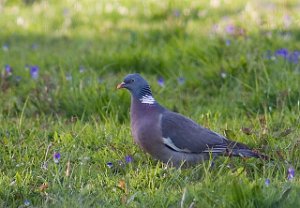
(184, 135)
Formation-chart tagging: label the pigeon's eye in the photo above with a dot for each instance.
(131, 81)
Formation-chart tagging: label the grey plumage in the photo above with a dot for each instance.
(172, 137)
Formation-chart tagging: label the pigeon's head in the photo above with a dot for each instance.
(135, 83)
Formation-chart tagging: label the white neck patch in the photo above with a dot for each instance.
(148, 99)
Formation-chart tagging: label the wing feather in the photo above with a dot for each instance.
(188, 136)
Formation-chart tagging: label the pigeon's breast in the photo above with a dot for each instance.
(146, 131)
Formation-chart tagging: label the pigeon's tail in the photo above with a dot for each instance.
(241, 150)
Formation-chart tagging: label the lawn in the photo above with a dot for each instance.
(231, 65)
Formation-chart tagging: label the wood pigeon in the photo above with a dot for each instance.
(172, 137)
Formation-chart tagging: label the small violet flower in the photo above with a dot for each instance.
(291, 173)
(128, 159)
(26, 202)
(5, 47)
(267, 182)
(176, 13)
(228, 42)
(181, 80)
(8, 69)
(161, 81)
(109, 164)
(230, 29)
(56, 157)
(34, 72)
(81, 69)
(68, 77)
(34, 46)
(293, 57)
(283, 52)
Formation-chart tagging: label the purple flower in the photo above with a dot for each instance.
(291, 173)
(34, 46)
(230, 29)
(68, 77)
(5, 47)
(34, 72)
(56, 157)
(176, 13)
(294, 57)
(228, 42)
(128, 159)
(109, 164)
(267, 182)
(181, 80)
(81, 69)
(161, 81)
(8, 69)
(283, 52)
(26, 203)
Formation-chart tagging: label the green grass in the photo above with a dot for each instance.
(233, 89)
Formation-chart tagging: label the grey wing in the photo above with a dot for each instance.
(184, 135)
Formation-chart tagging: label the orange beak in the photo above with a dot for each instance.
(121, 85)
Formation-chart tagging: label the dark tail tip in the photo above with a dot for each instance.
(241, 150)
(261, 156)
